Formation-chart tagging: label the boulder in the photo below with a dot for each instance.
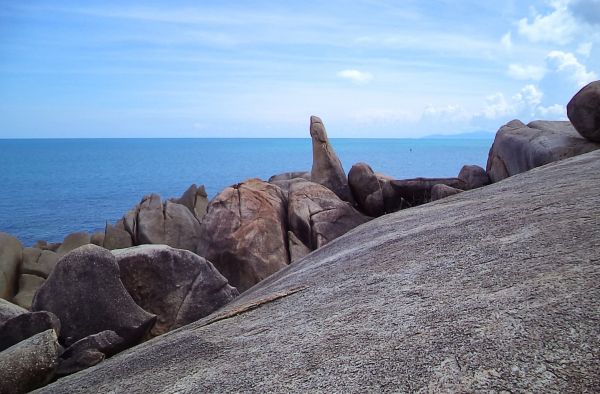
(440, 191)
(29, 364)
(195, 199)
(86, 293)
(182, 229)
(73, 241)
(176, 285)
(366, 189)
(116, 238)
(287, 176)
(97, 238)
(11, 254)
(43, 245)
(417, 191)
(25, 326)
(38, 262)
(327, 168)
(28, 286)
(89, 351)
(244, 233)
(317, 216)
(150, 221)
(584, 111)
(518, 147)
(473, 176)
(8, 310)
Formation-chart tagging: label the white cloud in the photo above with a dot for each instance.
(356, 76)
(555, 111)
(585, 49)
(518, 71)
(558, 27)
(568, 64)
(525, 102)
(506, 41)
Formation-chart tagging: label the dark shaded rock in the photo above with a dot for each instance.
(11, 254)
(89, 351)
(584, 111)
(440, 191)
(8, 310)
(150, 221)
(116, 238)
(97, 239)
(73, 241)
(25, 326)
(176, 285)
(317, 216)
(87, 295)
(473, 176)
(326, 168)
(417, 191)
(489, 291)
(38, 262)
(297, 248)
(244, 232)
(195, 199)
(518, 148)
(28, 286)
(366, 189)
(287, 176)
(29, 364)
(182, 229)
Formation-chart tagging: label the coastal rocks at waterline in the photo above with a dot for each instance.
(244, 232)
(316, 216)
(366, 189)
(195, 199)
(326, 168)
(29, 364)
(584, 111)
(518, 147)
(25, 326)
(176, 285)
(11, 252)
(82, 312)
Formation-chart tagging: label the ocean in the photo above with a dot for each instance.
(50, 188)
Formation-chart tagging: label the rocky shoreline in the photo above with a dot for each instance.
(66, 307)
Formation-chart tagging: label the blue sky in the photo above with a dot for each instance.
(260, 68)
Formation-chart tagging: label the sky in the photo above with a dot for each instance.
(368, 68)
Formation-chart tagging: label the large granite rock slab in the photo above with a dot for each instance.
(244, 233)
(495, 289)
(366, 189)
(25, 326)
(86, 293)
(10, 258)
(584, 111)
(317, 216)
(327, 168)
(518, 147)
(29, 364)
(176, 285)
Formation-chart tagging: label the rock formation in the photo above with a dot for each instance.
(25, 326)
(195, 199)
(8, 310)
(473, 176)
(244, 233)
(89, 351)
(28, 286)
(10, 259)
(327, 169)
(584, 111)
(440, 191)
(366, 189)
(417, 191)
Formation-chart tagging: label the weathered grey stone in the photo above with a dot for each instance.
(38, 262)
(11, 252)
(43, 245)
(518, 148)
(584, 111)
(417, 191)
(181, 227)
(116, 238)
(25, 326)
(297, 248)
(491, 290)
(97, 238)
(89, 351)
(440, 191)
(317, 216)
(87, 295)
(150, 221)
(195, 199)
(73, 241)
(327, 168)
(473, 176)
(366, 189)
(244, 233)
(8, 310)
(28, 285)
(176, 285)
(29, 364)
(287, 176)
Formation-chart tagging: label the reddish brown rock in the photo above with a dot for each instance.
(473, 176)
(440, 191)
(366, 189)
(584, 111)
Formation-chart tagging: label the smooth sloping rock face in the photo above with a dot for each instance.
(87, 295)
(584, 111)
(317, 216)
(473, 176)
(518, 148)
(366, 189)
(28, 286)
(326, 168)
(494, 289)
(10, 258)
(8, 310)
(25, 326)
(244, 233)
(440, 191)
(176, 285)
(29, 364)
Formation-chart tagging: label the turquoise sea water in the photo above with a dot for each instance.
(50, 188)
